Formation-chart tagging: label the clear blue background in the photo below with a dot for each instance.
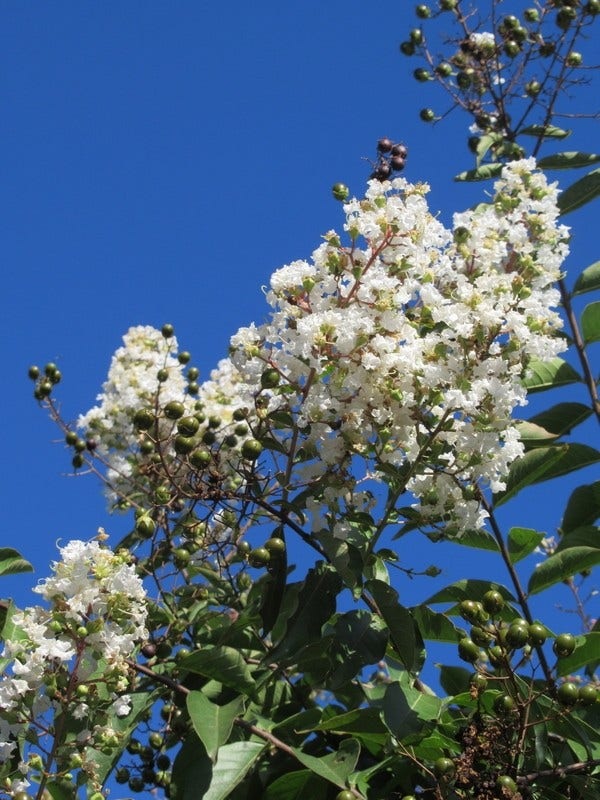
(160, 160)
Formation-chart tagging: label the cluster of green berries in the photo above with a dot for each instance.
(391, 157)
(262, 556)
(194, 434)
(489, 637)
(515, 36)
(45, 380)
(193, 373)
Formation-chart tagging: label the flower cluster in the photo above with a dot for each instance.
(135, 382)
(405, 356)
(70, 658)
(155, 425)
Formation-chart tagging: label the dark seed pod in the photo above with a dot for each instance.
(397, 163)
(385, 145)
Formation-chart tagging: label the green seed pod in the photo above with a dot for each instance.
(340, 191)
(174, 409)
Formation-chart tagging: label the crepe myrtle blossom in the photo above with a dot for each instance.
(145, 375)
(402, 353)
(71, 656)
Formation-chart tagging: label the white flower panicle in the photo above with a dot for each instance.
(96, 618)
(409, 352)
(397, 357)
(135, 384)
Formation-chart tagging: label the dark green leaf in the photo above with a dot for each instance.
(296, 786)
(301, 723)
(563, 565)
(12, 562)
(363, 637)
(454, 680)
(223, 664)
(583, 507)
(273, 592)
(586, 652)
(568, 160)
(545, 132)
(586, 536)
(435, 626)
(590, 322)
(211, 722)
(404, 634)
(58, 792)
(483, 173)
(522, 542)
(561, 418)
(359, 720)
(542, 375)
(545, 463)
(406, 710)
(471, 589)
(588, 280)
(479, 539)
(579, 193)
(335, 767)
(316, 604)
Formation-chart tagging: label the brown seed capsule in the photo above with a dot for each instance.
(384, 145)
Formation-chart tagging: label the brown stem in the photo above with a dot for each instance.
(263, 734)
(521, 596)
(580, 347)
(558, 772)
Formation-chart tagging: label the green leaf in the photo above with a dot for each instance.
(583, 507)
(335, 767)
(479, 539)
(404, 634)
(522, 542)
(483, 173)
(195, 776)
(579, 193)
(534, 435)
(544, 463)
(435, 626)
(454, 680)
(590, 322)
(586, 536)
(560, 566)
(233, 763)
(542, 375)
(363, 637)
(561, 418)
(316, 604)
(12, 562)
(406, 710)
(570, 159)
(223, 664)
(468, 589)
(356, 721)
(545, 132)
(585, 653)
(211, 722)
(588, 280)
(58, 792)
(296, 786)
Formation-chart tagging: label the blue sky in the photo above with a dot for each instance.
(160, 161)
